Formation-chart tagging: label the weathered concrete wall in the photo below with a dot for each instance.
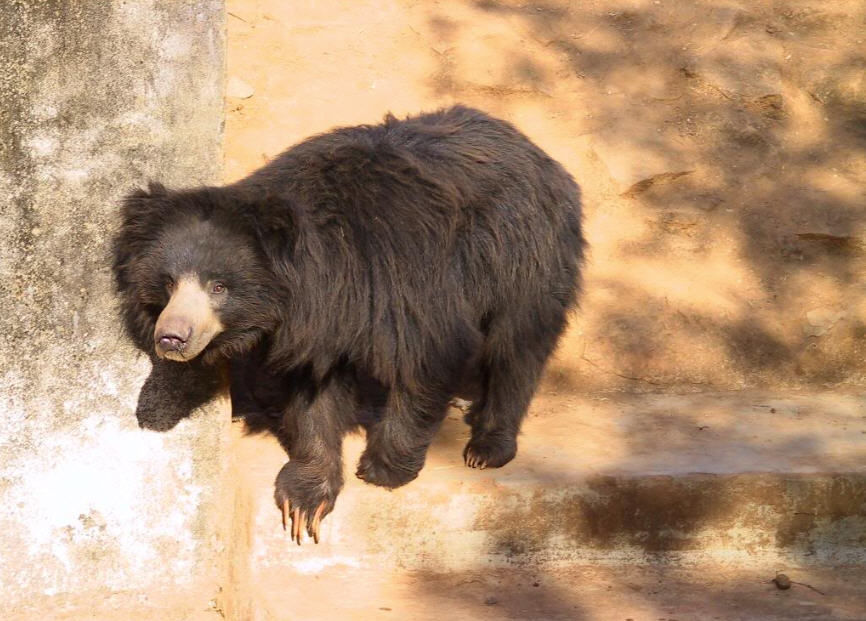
(97, 496)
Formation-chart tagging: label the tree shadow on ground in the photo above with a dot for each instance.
(720, 484)
(720, 148)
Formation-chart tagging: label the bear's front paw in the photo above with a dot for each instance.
(305, 494)
(490, 450)
(386, 472)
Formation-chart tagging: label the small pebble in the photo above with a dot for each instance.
(491, 601)
(782, 582)
(238, 89)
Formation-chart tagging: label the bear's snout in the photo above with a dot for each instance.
(187, 324)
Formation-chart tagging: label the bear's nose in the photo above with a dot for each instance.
(172, 340)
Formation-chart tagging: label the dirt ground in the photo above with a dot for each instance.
(584, 594)
(719, 144)
(576, 594)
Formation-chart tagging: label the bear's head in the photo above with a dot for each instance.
(191, 273)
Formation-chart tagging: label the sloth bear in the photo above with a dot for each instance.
(365, 278)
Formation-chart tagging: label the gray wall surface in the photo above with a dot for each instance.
(110, 479)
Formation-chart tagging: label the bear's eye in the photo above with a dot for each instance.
(218, 287)
(169, 285)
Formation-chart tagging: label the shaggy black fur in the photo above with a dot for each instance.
(373, 273)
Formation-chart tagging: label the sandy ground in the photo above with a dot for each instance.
(577, 594)
(583, 594)
(720, 146)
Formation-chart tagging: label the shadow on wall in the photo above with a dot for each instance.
(174, 390)
(728, 212)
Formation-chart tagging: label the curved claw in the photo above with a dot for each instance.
(300, 523)
(317, 520)
(471, 460)
(296, 526)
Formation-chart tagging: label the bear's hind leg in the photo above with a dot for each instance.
(510, 379)
(397, 445)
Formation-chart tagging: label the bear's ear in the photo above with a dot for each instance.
(140, 222)
(277, 225)
(156, 189)
(140, 205)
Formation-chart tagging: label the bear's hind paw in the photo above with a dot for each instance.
(490, 451)
(376, 471)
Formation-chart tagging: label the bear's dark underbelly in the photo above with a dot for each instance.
(262, 396)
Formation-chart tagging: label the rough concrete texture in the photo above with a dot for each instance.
(98, 97)
(729, 480)
(720, 146)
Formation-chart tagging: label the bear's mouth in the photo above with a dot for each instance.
(178, 355)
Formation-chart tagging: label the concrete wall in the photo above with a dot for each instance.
(108, 475)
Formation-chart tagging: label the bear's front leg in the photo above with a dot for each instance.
(305, 493)
(308, 485)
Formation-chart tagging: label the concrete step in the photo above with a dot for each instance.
(728, 480)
